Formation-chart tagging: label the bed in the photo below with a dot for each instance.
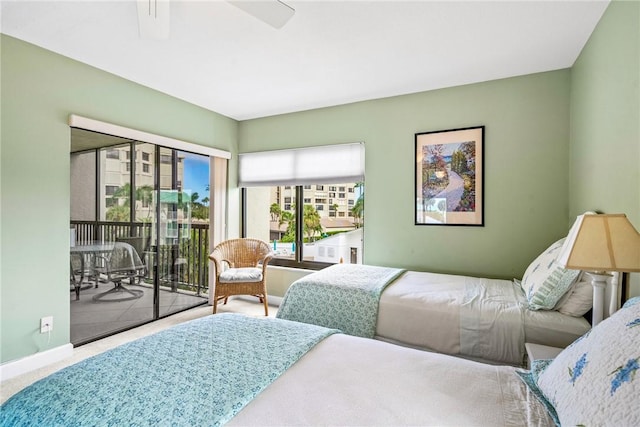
(482, 319)
(237, 370)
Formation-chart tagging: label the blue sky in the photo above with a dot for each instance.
(196, 174)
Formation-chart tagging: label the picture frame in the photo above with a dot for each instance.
(449, 177)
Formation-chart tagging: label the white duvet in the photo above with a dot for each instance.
(352, 381)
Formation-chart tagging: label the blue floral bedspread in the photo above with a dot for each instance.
(198, 373)
(343, 296)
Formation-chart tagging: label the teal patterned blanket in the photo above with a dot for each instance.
(343, 296)
(198, 373)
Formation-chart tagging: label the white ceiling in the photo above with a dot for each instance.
(329, 53)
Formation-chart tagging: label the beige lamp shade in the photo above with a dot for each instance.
(602, 243)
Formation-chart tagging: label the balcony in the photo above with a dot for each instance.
(181, 269)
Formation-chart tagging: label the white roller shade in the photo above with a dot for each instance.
(325, 164)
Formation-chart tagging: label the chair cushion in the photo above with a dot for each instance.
(237, 275)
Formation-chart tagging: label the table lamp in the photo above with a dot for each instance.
(598, 244)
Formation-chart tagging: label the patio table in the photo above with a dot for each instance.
(95, 250)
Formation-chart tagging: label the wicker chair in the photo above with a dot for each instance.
(238, 272)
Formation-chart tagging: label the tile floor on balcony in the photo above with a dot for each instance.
(92, 319)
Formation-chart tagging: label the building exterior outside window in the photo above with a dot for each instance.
(332, 227)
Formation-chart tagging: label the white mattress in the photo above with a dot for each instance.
(553, 328)
(348, 380)
(439, 312)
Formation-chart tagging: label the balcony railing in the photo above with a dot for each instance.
(181, 265)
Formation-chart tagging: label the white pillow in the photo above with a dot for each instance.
(577, 301)
(545, 282)
(596, 380)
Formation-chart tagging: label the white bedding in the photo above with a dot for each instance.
(348, 380)
(443, 313)
(553, 328)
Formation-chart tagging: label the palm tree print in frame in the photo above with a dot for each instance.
(449, 176)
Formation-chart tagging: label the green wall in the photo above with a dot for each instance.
(39, 91)
(557, 144)
(604, 171)
(526, 175)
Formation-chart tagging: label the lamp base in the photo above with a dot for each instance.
(599, 282)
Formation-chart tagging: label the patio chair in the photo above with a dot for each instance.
(240, 269)
(123, 262)
(77, 273)
(141, 245)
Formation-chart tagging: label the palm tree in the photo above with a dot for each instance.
(311, 225)
(311, 222)
(143, 194)
(357, 211)
(118, 213)
(275, 211)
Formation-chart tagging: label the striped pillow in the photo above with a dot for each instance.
(545, 282)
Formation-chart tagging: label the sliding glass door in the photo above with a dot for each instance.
(139, 235)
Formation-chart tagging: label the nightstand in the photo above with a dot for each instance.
(539, 351)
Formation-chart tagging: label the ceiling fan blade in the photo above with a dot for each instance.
(153, 19)
(272, 12)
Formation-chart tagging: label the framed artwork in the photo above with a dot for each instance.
(449, 177)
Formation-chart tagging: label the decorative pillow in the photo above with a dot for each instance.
(595, 381)
(577, 301)
(545, 282)
(631, 301)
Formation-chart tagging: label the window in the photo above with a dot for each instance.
(113, 154)
(145, 157)
(110, 190)
(303, 232)
(324, 240)
(164, 158)
(145, 168)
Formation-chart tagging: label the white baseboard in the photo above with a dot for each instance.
(35, 361)
(273, 300)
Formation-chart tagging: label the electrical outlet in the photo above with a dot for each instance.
(46, 324)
